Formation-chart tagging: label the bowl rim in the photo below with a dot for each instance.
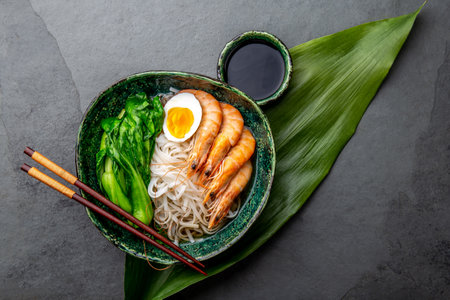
(217, 83)
(267, 37)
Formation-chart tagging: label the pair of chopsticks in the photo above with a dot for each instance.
(71, 194)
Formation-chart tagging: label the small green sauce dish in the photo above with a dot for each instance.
(257, 63)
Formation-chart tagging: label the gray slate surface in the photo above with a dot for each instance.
(379, 225)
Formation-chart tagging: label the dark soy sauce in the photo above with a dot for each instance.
(256, 68)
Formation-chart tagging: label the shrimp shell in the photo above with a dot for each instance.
(207, 131)
(229, 134)
(234, 160)
(223, 203)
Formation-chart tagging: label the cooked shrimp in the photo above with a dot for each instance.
(229, 134)
(206, 132)
(234, 160)
(223, 202)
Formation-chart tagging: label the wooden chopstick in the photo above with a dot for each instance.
(33, 172)
(44, 161)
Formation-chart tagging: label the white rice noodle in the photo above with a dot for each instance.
(178, 201)
(173, 90)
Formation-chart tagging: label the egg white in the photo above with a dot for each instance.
(185, 100)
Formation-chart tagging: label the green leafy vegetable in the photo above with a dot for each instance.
(334, 79)
(126, 149)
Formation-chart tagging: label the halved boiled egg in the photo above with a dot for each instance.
(183, 116)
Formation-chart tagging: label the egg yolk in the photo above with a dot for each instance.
(179, 121)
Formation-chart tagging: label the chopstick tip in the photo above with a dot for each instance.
(28, 151)
(25, 168)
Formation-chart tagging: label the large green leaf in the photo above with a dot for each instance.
(335, 77)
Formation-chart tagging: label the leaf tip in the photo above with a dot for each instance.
(420, 8)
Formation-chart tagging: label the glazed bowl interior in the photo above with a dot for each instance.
(110, 102)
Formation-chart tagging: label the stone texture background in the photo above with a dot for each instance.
(379, 225)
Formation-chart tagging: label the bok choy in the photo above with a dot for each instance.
(126, 149)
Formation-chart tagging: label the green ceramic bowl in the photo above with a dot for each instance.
(257, 36)
(254, 197)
